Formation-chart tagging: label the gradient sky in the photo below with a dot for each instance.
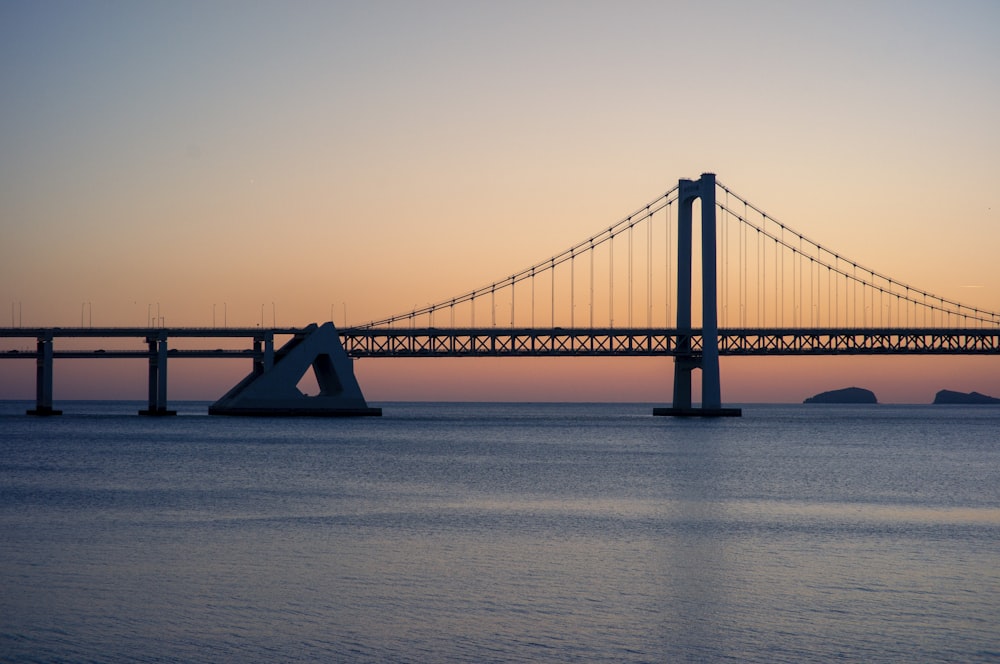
(369, 157)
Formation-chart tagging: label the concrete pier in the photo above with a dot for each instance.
(43, 378)
(157, 376)
(272, 387)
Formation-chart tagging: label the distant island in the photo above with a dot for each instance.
(846, 395)
(975, 398)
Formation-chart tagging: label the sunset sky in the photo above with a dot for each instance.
(311, 159)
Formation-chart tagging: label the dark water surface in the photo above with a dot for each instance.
(501, 533)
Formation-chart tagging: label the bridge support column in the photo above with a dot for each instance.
(157, 376)
(688, 358)
(271, 388)
(263, 352)
(43, 379)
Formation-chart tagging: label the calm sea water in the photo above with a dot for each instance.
(501, 533)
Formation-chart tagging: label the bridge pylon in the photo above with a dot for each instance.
(688, 358)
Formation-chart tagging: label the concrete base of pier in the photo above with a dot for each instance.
(296, 412)
(159, 412)
(699, 412)
(44, 411)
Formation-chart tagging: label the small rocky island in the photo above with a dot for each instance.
(846, 395)
(974, 398)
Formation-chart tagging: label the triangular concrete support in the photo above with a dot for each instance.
(272, 387)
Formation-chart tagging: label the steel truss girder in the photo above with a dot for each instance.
(581, 342)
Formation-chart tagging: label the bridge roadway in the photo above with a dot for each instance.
(148, 334)
(528, 342)
(525, 342)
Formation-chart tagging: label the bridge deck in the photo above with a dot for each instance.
(558, 342)
(144, 335)
(143, 332)
(500, 342)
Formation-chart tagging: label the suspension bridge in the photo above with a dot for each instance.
(765, 289)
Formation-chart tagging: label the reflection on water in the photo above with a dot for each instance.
(502, 533)
(847, 513)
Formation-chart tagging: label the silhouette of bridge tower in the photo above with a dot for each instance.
(686, 359)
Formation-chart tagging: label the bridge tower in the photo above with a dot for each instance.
(688, 358)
